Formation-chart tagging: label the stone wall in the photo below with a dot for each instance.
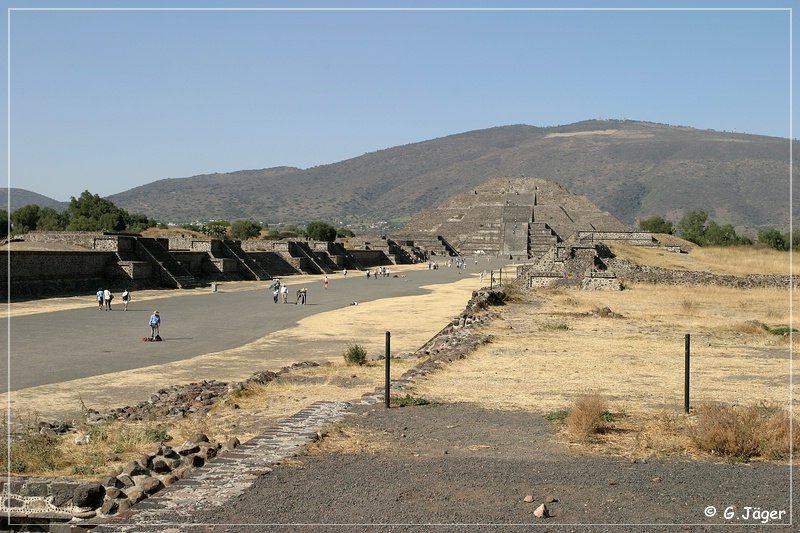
(369, 258)
(649, 274)
(81, 238)
(634, 238)
(32, 273)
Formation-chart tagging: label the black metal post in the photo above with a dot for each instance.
(500, 283)
(687, 352)
(388, 385)
(491, 279)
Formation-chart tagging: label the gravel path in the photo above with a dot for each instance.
(456, 467)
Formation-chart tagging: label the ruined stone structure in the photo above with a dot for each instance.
(519, 218)
(136, 262)
(524, 219)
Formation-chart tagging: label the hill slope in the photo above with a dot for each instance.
(631, 169)
(15, 198)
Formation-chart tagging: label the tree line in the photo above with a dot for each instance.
(90, 212)
(696, 227)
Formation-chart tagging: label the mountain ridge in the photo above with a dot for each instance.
(632, 169)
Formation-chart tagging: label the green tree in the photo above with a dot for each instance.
(25, 218)
(113, 221)
(244, 229)
(774, 239)
(90, 206)
(83, 223)
(51, 220)
(320, 231)
(657, 225)
(344, 232)
(720, 235)
(216, 228)
(692, 226)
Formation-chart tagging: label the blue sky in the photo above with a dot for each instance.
(106, 100)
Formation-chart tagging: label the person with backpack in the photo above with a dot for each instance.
(100, 295)
(107, 297)
(126, 297)
(155, 323)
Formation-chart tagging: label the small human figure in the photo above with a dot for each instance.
(100, 294)
(369, 273)
(107, 297)
(275, 294)
(481, 278)
(299, 296)
(325, 283)
(126, 298)
(285, 293)
(344, 272)
(155, 325)
(303, 295)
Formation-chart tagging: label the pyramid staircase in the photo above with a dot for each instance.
(170, 269)
(246, 263)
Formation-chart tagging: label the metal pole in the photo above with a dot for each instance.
(500, 283)
(388, 384)
(687, 352)
(491, 279)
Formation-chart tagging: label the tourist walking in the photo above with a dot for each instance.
(100, 294)
(344, 272)
(107, 297)
(326, 282)
(285, 293)
(155, 326)
(126, 297)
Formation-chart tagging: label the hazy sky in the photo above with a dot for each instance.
(106, 100)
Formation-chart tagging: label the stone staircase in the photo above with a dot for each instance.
(171, 270)
(541, 238)
(246, 263)
(320, 266)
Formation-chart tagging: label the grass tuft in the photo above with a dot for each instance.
(741, 433)
(408, 400)
(588, 417)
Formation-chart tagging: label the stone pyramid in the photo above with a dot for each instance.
(516, 217)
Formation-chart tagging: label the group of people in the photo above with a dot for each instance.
(379, 271)
(104, 298)
(281, 291)
(459, 263)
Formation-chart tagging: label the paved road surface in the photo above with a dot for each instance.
(59, 346)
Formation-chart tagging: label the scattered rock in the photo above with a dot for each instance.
(528, 499)
(541, 512)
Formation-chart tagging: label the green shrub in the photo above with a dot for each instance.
(559, 414)
(355, 355)
(407, 400)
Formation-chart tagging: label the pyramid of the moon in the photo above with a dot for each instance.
(519, 217)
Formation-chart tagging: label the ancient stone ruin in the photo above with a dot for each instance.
(523, 219)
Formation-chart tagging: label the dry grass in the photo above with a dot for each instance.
(745, 432)
(636, 362)
(732, 260)
(585, 419)
(243, 415)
